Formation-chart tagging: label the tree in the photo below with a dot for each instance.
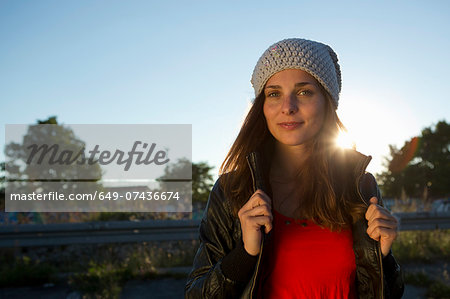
(26, 177)
(421, 168)
(202, 180)
(2, 187)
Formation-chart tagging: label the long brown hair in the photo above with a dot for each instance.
(320, 198)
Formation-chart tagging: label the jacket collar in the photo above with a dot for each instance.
(351, 161)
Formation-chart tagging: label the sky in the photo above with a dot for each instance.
(190, 62)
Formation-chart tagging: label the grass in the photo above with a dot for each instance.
(101, 271)
(96, 271)
(435, 288)
(101, 280)
(24, 271)
(422, 246)
(107, 280)
(428, 247)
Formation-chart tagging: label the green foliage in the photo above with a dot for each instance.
(97, 271)
(421, 167)
(422, 246)
(106, 278)
(202, 180)
(2, 186)
(101, 280)
(435, 288)
(22, 175)
(49, 132)
(438, 290)
(23, 271)
(419, 279)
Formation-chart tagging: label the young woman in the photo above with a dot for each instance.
(292, 215)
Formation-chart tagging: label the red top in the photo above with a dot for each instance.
(307, 261)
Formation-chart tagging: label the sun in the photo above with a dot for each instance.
(345, 140)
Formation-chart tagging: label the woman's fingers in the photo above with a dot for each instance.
(257, 199)
(260, 215)
(382, 232)
(381, 225)
(263, 209)
(376, 211)
(382, 215)
(265, 221)
(254, 214)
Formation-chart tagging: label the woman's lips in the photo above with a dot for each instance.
(290, 125)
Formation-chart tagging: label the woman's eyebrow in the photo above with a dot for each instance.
(301, 84)
(297, 85)
(273, 87)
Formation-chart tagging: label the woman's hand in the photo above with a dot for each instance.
(255, 213)
(382, 225)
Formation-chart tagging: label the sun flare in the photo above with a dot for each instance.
(345, 140)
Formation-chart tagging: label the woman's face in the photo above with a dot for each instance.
(294, 106)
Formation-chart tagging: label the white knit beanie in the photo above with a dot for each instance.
(315, 58)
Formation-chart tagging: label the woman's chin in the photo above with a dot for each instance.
(297, 142)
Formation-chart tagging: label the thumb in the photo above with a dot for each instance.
(374, 200)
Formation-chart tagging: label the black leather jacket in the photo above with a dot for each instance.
(376, 277)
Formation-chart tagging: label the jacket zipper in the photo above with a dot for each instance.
(257, 268)
(252, 159)
(261, 246)
(379, 253)
(381, 268)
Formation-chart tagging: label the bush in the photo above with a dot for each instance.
(422, 246)
(438, 290)
(435, 288)
(23, 271)
(101, 280)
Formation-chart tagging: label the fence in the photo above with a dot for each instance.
(29, 235)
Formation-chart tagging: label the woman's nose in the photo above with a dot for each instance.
(289, 105)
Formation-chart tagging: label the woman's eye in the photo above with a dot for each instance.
(305, 92)
(273, 94)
